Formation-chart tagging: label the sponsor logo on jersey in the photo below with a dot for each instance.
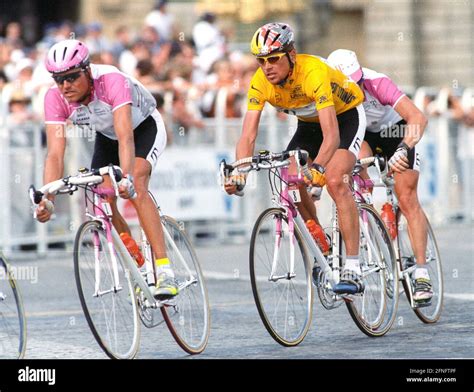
(345, 96)
(297, 92)
(322, 99)
(254, 101)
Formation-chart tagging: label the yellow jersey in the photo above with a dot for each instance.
(312, 86)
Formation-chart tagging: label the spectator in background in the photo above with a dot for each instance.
(223, 77)
(210, 45)
(19, 112)
(161, 20)
(13, 35)
(122, 42)
(21, 82)
(95, 40)
(129, 58)
(145, 75)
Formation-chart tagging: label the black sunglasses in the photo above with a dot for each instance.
(70, 78)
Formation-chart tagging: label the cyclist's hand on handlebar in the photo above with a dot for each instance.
(44, 210)
(126, 188)
(398, 163)
(318, 177)
(234, 184)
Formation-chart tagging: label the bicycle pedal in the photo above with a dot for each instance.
(417, 305)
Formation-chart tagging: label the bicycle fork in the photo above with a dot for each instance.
(276, 251)
(97, 263)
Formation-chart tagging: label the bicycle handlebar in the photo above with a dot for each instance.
(266, 160)
(69, 184)
(380, 164)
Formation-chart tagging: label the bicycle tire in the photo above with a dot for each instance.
(288, 335)
(11, 314)
(124, 299)
(387, 276)
(436, 272)
(190, 308)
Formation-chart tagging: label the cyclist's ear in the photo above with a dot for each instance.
(292, 54)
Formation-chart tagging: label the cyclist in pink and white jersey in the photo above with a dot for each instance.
(129, 133)
(394, 125)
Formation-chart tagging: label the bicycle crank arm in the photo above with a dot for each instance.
(288, 276)
(100, 293)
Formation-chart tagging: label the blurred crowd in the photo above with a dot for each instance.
(183, 73)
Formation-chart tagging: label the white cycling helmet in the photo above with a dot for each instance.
(346, 61)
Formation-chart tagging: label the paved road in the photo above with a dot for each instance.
(57, 327)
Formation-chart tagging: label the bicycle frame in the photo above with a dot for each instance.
(104, 214)
(294, 217)
(387, 182)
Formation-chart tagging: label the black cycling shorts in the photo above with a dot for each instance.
(149, 138)
(309, 136)
(386, 142)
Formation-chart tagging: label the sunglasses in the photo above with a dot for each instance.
(273, 59)
(70, 78)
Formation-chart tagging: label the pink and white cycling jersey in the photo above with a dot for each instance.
(112, 89)
(381, 96)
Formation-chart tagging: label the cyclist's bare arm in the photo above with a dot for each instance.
(415, 119)
(53, 166)
(124, 131)
(246, 144)
(331, 139)
(54, 163)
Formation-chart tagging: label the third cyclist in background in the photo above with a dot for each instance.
(394, 125)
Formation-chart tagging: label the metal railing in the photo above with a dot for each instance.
(446, 179)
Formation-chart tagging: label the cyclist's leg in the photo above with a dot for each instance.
(308, 136)
(106, 152)
(146, 209)
(338, 172)
(150, 142)
(367, 150)
(406, 184)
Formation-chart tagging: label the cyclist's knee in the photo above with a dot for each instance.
(337, 185)
(408, 202)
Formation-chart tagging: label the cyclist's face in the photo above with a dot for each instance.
(276, 69)
(73, 84)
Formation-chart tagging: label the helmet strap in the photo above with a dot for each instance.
(292, 66)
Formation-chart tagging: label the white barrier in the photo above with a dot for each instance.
(186, 181)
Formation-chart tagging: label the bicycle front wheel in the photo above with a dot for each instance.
(12, 315)
(428, 314)
(284, 298)
(110, 310)
(374, 310)
(187, 315)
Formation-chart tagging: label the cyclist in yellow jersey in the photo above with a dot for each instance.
(331, 127)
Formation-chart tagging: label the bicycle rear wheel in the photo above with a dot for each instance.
(375, 310)
(12, 315)
(187, 315)
(428, 314)
(284, 302)
(111, 312)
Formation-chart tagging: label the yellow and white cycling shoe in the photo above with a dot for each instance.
(165, 287)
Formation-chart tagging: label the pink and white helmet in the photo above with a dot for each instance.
(66, 55)
(346, 61)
